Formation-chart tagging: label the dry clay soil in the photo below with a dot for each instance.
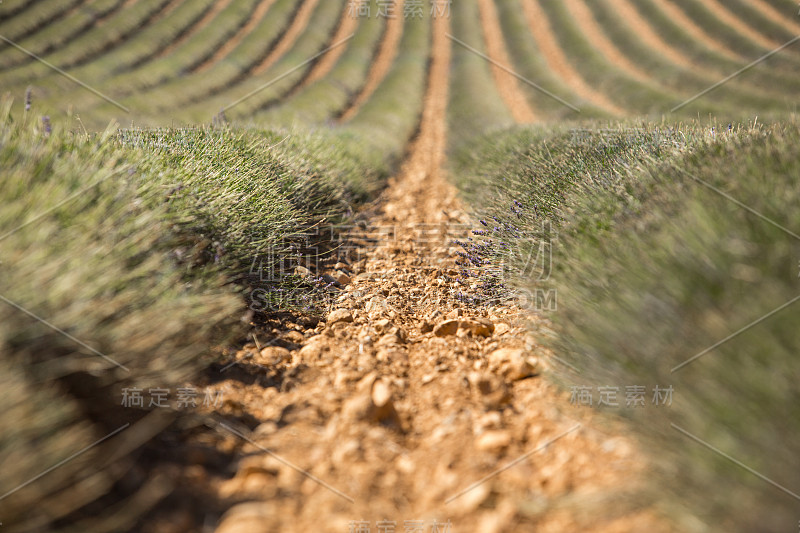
(405, 410)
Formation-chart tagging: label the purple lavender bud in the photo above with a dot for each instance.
(28, 99)
(46, 124)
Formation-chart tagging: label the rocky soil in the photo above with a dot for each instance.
(403, 410)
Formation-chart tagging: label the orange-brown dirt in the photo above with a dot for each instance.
(742, 28)
(786, 17)
(688, 25)
(404, 404)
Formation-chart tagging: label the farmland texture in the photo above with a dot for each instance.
(399, 265)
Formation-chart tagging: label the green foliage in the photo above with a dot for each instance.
(654, 265)
(118, 257)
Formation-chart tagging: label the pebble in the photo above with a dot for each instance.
(302, 271)
(492, 390)
(513, 363)
(251, 517)
(339, 315)
(294, 336)
(383, 325)
(448, 327)
(493, 441)
(455, 313)
(502, 328)
(273, 355)
(381, 393)
(480, 327)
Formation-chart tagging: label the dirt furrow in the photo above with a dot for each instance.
(507, 85)
(691, 27)
(786, 18)
(557, 60)
(255, 19)
(295, 29)
(742, 27)
(380, 66)
(388, 409)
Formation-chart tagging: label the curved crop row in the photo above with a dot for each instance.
(684, 80)
(28, 22)
(507, 84)
(94, 42)
(387, 120)
(475, 105)
(139, 48)
(244, 96)
(317, 101)
(9, 10)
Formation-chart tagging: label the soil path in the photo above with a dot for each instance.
(690, 27)
(405, 407)
(786, 17)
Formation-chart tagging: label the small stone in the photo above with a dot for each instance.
(383, 325)
(491, 389)
(480, 327)
(302, 271)
(266, 428)
(448, 327)
(388, 339)
(426, 326)
(493, 441)
(513, 363)
(312, 351)
(294, 336)
(381, 393)
(342, 278)
(251, 517)
(455, 313)
(502, 328)
(341, 266)
(273, 355)
(374, 406)
(339, 315)
(491, 420)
